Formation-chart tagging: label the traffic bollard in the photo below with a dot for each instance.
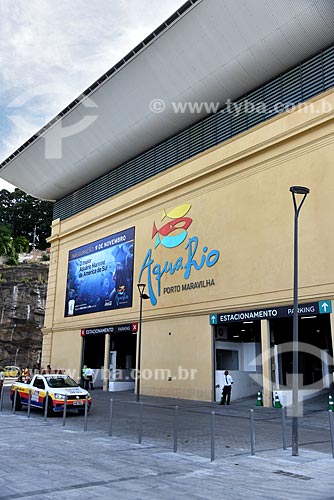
(29, 403)
(86, 413)
(252, 432)
(14, 401)
(330, 416)
(140, 422)
(46, 406)
(110, 418)
(212, 436)
(176, 414)
(284, 427)
(64, 410)
(1, 397)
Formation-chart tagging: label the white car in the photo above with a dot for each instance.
(56, 387)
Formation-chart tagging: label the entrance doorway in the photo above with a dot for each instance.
(237, 349)
(94, 351)
(313, 365)
(122, 359)
(93, 356)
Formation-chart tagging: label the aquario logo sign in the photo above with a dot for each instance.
(174, 232)
(178, 224)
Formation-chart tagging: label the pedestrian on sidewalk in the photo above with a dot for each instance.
(227, 387)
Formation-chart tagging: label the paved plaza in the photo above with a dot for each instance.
(46, 460)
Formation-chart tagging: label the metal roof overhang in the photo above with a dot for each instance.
(215, 51)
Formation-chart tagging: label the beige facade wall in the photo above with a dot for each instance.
(241, 207)
(176, 357)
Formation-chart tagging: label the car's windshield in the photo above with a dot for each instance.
(58, 382)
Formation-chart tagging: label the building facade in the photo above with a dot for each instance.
(211, 235)
(204, 218)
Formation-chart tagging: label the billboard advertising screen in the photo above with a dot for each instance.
(100, 275)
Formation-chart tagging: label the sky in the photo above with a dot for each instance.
(50, 51)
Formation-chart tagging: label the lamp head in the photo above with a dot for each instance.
(299, 190)
(141, 287)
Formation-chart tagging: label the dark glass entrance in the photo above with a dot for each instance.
(93, 355)
(315, 332)
(123, 343)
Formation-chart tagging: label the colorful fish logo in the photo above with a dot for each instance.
(178, 225)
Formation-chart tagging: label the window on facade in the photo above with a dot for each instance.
(227, 359)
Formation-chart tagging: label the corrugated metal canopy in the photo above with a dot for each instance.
(217, 50)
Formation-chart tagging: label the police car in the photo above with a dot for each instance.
(55, 387)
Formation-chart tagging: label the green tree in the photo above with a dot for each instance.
(6, 240)
(26, 216)
(12, 258)
(7, 246)
(21, 244)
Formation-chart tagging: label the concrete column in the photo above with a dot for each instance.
(266, 363)
(46, 347)
(106, 363)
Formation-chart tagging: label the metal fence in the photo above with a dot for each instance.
(198, 430)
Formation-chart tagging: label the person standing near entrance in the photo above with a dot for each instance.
(226, 394)
(89, 378)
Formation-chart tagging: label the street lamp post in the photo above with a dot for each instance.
(141, 287)
(295, 190)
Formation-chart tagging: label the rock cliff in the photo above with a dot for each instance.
(22, 302)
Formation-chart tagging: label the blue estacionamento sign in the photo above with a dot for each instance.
(213, 319)
(309, 309)
(325, 306)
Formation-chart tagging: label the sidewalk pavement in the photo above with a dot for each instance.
(44, 461)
